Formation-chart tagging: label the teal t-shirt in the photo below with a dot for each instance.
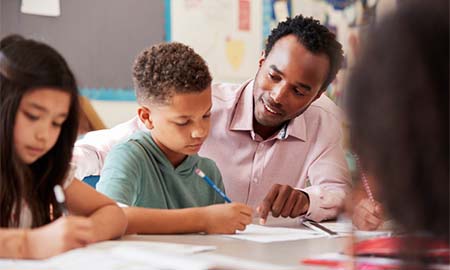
(137, 173)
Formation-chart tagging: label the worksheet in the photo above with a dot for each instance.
(266, 234)
(113, 255)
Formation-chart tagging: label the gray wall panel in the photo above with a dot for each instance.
(99, 38)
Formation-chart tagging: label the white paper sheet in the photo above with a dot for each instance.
(113, 255)
(150, 246)
(346, 228)
(265, 234)
(41, 7)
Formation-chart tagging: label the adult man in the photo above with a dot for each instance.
(267, 136)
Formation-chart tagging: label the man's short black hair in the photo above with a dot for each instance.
(315, 37)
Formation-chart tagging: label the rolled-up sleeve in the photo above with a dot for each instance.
(88, 160)
(330, 182)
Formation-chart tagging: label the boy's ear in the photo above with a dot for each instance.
(145, 115)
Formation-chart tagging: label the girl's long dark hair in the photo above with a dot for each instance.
(398, 99)
(26, 65)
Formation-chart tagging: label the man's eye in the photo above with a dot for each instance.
(274, 77)
(298, 92)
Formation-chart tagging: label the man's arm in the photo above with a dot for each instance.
(90, 152)
(324, 199)
(330, 183)
(88, 160)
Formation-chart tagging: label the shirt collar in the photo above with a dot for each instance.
(297, 128)
(242, 118)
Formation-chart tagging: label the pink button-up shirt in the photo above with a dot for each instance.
(90, 152)
(308, 148)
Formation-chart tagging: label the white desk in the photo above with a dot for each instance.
(282, 255)
(288, 253)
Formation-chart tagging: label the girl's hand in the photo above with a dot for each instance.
(226, 218)
(368, 215)
(64, 234)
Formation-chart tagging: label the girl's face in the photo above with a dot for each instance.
(38, 122)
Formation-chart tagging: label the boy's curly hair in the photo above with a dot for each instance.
(164, 69)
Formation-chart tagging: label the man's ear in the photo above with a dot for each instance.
(145, 115)
(262, 58)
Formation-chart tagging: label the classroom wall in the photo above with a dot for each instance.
(99, 39)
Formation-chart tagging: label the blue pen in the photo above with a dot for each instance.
(211, 183)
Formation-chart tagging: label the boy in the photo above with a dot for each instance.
(155, 168)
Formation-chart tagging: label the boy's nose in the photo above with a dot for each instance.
(199, 132)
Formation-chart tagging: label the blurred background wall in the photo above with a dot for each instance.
(100, 38)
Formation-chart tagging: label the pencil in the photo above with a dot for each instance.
(211, 183)
(318, 227)
(364, 179)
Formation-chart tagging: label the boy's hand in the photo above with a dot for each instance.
(283, 200)
(227, 218)
(64, 234)
(368, 215)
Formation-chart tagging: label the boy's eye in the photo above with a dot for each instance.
(182, 124)
(31, 116)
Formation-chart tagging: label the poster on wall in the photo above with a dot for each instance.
(227, 34)
(41, 7)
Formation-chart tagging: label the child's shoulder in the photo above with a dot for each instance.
(209, 167)
(206, 162)
(134, 145)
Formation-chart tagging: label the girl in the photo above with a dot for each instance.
(38, 127)
(398, 99)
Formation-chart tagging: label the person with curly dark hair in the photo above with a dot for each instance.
(272, 134)
(397, 102)
(301, 59)
(154, 170)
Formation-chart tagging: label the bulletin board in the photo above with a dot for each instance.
(228, 34)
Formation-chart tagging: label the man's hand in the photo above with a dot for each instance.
(283, 200)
